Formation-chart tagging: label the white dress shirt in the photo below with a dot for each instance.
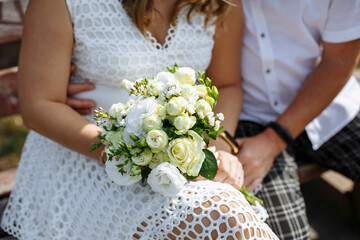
(282, 47)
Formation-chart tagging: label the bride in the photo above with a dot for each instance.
(61, 190)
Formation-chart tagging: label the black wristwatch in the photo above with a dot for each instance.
(282, 132)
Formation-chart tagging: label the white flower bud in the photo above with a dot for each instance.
(175, 107)
(143, 159)
(151, 122)
(202, 108)
(156, 140)
(155, 88)
(135, 170)
(116, 109)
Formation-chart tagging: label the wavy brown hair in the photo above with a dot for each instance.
(142, 11)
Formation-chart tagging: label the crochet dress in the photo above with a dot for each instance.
(61, 194)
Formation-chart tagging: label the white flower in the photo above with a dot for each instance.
(156, 140)
(160, 109)
(217, 125)
(135, 170)
(116, 109)
(201, 90)
(211, 121)
(166, 179)
(220, 116)
(175, 106)
(158, 158)
(134, 119)
(165, 78)
(185, 75)
(191, 109)
(152, 122)
(183, 123)
(202, 108)
(127, 85)
(113, 174)
(114, 137)
(142, 159)
(154, 88)
(186, 153)
(189, 93)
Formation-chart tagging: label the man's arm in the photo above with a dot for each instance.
(82, 106)
(320, 88)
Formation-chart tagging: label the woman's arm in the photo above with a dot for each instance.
(224, 70)
(44, 67)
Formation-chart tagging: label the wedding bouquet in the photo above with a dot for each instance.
(162, 133)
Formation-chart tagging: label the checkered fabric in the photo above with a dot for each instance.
(281, 192)
(341, 153)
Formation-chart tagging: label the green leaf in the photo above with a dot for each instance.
(214, 134)
(209, 167)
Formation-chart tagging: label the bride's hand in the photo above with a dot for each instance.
(229, 170)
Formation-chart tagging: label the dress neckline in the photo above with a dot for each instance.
(153, 41)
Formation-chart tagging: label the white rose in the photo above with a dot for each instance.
(202, 108)
(175, 106)
(154, 88)
(156, 140)
(166, 179)
(185, 75)
(116, 109)
(115, 176)
(152, 122)
(186, 153)
(135, 116)
(158, 158)
(114, 137)
(143, 159)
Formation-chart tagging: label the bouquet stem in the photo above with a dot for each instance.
(249, 197)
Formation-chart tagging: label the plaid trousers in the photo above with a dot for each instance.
(281, 189)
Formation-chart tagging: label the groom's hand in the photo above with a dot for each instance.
(83, 107)
(257, 155)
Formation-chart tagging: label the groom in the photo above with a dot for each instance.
(298, 100)
(292, 108)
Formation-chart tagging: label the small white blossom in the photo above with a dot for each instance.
(220, 116)
(211, 121)
(217, 125)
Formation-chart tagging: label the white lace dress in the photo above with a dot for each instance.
(61, 194)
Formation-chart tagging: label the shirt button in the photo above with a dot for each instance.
(268, 71)
(275, 103)
(262, 35)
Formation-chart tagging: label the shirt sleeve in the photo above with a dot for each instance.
(343, 21)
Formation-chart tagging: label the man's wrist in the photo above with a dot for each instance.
(282, 132)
